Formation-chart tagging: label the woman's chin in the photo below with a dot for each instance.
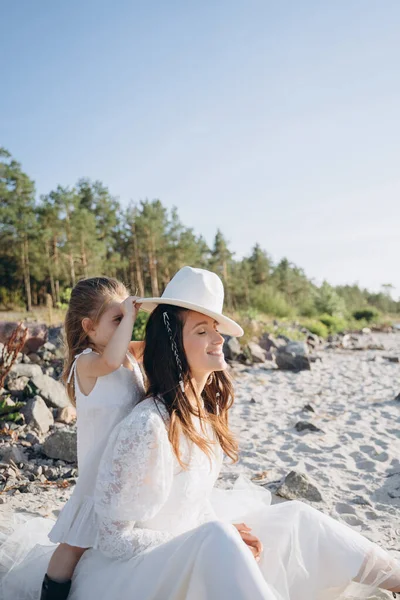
(218, 363)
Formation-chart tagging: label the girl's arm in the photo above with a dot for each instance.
(90, 366)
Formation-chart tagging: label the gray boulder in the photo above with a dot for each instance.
(24, 370)
(292, 362)
(306, 426)
(232, 349)
(298, 348)
(61, 445)
(52, 391)
(11, 454)
(17, 386)
(38, 415)
(297, 485)
(257, 354)
(268, 342)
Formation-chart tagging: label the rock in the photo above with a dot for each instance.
(397, 399)
(392, 359)
(37, 448)
(35, 358)
(55, 337)
(306, 426)
(51, 473)
(66, 415)
(292, 362)
(47, 356)
(297, 485)
(346, 340)
(298, 348)
(50, 347)
(361, 501)
(17, 386)
(24, 370)
(314, 359)
(62, 445)
(38, 415)
(12, 454)
(365, 330)
(28, 488)
(252, 401)
(268, 341)
(257, 354)
(232, 348)
(52, 391)
(32, 438)
(312, 340)
(308, 407)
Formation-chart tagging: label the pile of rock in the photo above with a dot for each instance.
(32, 391)
(37, 432)
(352, 341)
(282, 352)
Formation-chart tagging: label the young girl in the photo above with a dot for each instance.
(104, 380)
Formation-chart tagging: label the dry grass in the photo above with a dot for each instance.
(53, 317)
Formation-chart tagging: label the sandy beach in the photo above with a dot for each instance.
(354, 460)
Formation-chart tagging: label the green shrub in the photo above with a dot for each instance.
(293, 334)
(11, 298)
(317, 328)
(334, 324)
(271, 302)
(139, 328)
(328, 301)
(370, 314)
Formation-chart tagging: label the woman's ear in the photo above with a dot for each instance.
(87, 325)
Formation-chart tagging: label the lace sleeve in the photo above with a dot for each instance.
(121, 539)
(133, 483)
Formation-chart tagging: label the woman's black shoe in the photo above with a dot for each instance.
(53, 590)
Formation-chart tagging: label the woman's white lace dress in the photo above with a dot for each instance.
(164, 533)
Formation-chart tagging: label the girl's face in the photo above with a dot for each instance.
(101, 333)
(203, 344)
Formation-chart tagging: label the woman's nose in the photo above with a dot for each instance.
(218, 339)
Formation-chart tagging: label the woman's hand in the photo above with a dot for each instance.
(130, 307)
(250, 540)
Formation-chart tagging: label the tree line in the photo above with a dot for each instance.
(47, 244)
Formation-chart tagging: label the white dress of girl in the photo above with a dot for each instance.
(165, 533)
(112, 398)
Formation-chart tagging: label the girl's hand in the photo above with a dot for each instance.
(130, 307)
(250, 540)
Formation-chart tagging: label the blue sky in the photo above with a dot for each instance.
(277, 122)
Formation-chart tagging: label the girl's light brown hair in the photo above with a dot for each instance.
(89, 298)
(163, 381)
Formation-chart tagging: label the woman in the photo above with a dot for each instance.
(160, 535)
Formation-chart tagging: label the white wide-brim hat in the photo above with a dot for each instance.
(198, 290)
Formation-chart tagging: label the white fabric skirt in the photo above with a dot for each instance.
(307, 556)
(76, 524)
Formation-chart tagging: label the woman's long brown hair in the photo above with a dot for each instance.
(89, 298)
(163, 377)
